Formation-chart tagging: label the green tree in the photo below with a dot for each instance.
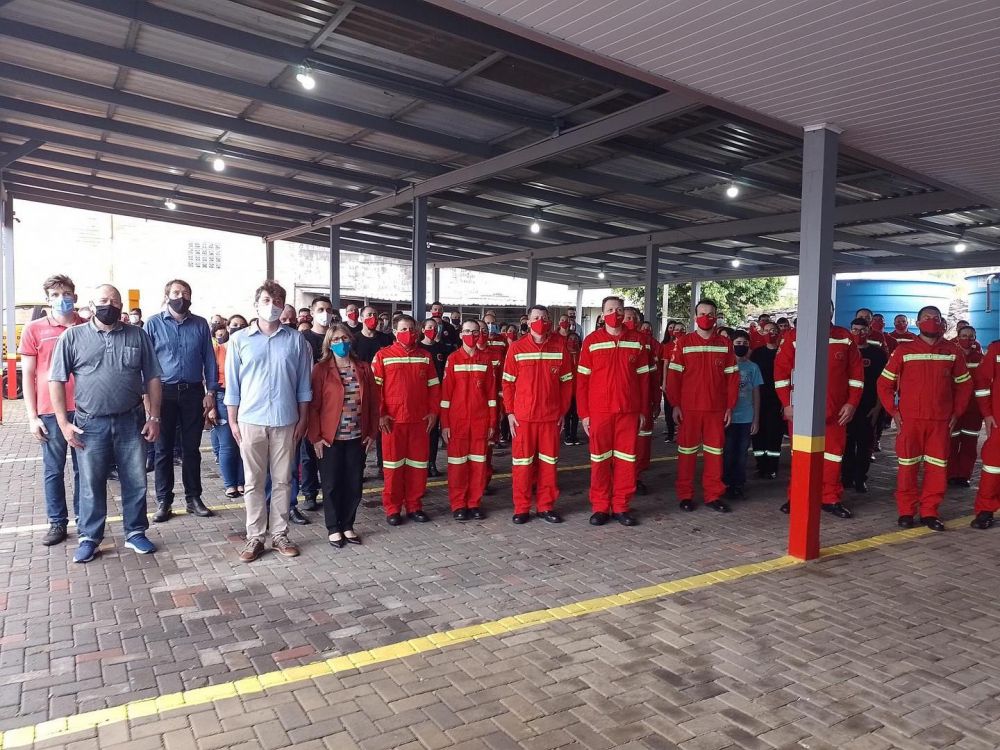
(735, 297)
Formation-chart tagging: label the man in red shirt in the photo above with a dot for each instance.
(468, 416)
(537, 388)
(934, 387)
(612, 398)
(703, 384)
(988, 398)
(38, 341)
(900, 332)
(410, 401)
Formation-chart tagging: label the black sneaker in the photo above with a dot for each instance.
(55, 534)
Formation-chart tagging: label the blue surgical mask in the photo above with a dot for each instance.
(63, 306)
(494, 329)
(341, 349)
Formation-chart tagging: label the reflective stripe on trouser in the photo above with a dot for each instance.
(468, 460)
(988, 493)
(534, 452)
(964, 447)
(833, 456)
(405, 452)
(767, 442)
(927, 442)
(644, 447)
(613, 443)
(700, 429)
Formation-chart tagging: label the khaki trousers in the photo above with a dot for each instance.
(266, 448)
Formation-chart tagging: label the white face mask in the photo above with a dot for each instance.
(323, 318)
(133, 319)
(268, 312)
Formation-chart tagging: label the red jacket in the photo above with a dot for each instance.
(410, 388)
(883, 340)
(538, 379)
(845, 372)
(972, 415)
(757, 337)
(328, 401)
(468, 393)
(496, 345)
(703, 374)
(932, 380)
(613, 376)
(983, 376)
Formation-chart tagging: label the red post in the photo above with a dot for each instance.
(806, 496)
(12, 379)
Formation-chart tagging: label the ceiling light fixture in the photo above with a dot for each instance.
(218, 163)
(733, 190)
(600, 273)
(961, 245)
(535, 226)
(305, 78)
(736, 262)
(169, 204)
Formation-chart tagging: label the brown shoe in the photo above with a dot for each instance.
(283, 547)
(254, 548)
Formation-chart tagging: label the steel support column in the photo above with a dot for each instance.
(666, 308)
(10, 328)
(819, 172)
(532, 296)
(579, 308)
(695, 296)
(652, 272)
(435, 284)
(335, 268)
(269, 260)
(419, 259)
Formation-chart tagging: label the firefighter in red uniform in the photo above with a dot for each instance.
(876, 335)
(612, 398)
(468, 416)
(900, 332)
(633, 321)
(758, 336)
(703, 384)
(410, 399)
(988, 398)
(844, 387)
(965, 433)
(934, 387)
(537, 388)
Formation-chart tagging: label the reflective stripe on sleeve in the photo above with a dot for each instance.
(567, 377)
(888, 375)
(856, 383)
(583, 370)
(675, 366)
(782, 383)
(963, 378)
(446, 404)
(433, 381)
(983, 392)
(509, 378)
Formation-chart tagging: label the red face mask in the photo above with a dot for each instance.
(630, 325)
(483, 338)
(371, 323)
(540, 327)
(705, 322)
(612, 320)
(677, 333)
(878, 325)
(510, 336)
(930, 327)
(470, 339)
(407, 338)
(564, 324)
(353, 316)
(430, 333)
(860, 339)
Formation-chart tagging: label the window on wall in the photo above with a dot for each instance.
(204, 255)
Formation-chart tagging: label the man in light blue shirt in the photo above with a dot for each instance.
(268, 390)
(746, 415)
(183, 345)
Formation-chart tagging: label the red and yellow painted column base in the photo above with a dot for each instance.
(806, 496)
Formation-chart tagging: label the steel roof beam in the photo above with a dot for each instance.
(14, 153)
(645, 113)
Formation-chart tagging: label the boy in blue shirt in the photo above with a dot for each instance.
(745, 419)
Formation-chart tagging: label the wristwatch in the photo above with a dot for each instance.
(153, 419)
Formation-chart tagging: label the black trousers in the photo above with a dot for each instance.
(767, 442)
(340, 470)
(181, 412)
(435, 438)
(857, 450)
(668, 418)
(572, 421)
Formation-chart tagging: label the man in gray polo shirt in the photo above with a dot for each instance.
(113, 367)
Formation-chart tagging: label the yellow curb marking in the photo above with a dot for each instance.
(56, 728)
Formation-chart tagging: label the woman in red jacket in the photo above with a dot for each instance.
(343, 425)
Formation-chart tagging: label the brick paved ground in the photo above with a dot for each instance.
(894, 647)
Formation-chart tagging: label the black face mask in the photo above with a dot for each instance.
(524, 327)
(180, 305)
(108, 314)
(741, 350)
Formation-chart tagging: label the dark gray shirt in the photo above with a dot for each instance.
(110, 368)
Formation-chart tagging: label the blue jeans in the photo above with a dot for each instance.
(230, 461)
(109, 441)
(734, 455)
(54, 471)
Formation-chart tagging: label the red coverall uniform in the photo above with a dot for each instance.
(988, 398)
(934, 386)
(410, 390)
(965, 433)
(612, 389)
(537, 389)
(757, 337)
(845, 382)
(645, 447)
(703, 380)
(901, 337)
(468, 409)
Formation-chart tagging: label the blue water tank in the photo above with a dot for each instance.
(987, 324)
(891, 297)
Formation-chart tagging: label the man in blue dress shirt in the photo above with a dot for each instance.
(183, 345)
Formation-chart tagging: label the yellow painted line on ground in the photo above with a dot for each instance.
(239, 506)
(67, 725)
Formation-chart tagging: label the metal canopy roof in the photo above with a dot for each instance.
(118, 107)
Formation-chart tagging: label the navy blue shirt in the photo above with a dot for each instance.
(184, 349)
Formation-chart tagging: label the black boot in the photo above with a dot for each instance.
(163, 512)
(197, 508)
